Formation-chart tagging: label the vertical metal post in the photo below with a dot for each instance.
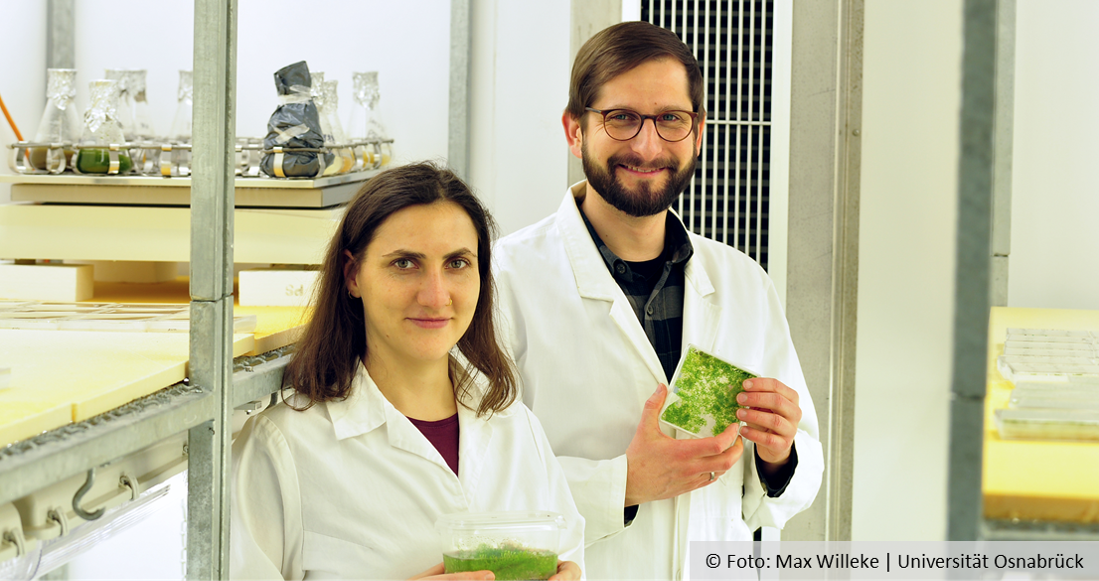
(460, 49)
(1004, 134)
(972, 274)
(60, 52)
(822, 267)
(211, 269)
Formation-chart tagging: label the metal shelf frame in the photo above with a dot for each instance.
(203, 404)
(37, 462)
(983, 247)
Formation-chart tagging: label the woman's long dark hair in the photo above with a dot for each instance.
(334, 340)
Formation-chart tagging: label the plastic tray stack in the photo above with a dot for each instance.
(41, 315)
(1055, 374)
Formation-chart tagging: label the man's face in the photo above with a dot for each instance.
(644, 175)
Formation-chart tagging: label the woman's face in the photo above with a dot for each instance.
(419, 283)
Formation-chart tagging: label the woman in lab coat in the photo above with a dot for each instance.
(389, 425)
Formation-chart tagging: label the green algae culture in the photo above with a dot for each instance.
(707, 388)
(96, 160)
(506, 562)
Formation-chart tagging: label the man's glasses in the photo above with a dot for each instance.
(624, 124)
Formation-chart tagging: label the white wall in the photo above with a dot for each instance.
(520, 73)
(911, 100)
(1055, 192)
(23, 82)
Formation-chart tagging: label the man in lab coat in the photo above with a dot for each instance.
(599, 301)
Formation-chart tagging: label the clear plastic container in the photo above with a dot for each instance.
(1047, 334)
(1048, 424)
(513, 545)
(702, 395)
(1016, 368)
(1050, 349)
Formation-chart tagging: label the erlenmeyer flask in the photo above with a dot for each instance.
(316, 90)
(331, 111)
(145, 151)
(365, 125)
(125, 111)
(176, 159)
(143, 127)
(59, 124)
(101, 144)
(293, 146)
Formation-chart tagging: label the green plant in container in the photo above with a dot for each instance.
(511, 561)
(703, 397)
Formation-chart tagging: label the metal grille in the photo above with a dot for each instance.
(728, 198)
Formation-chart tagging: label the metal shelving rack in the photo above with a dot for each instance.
(983, 244)
(202, 404)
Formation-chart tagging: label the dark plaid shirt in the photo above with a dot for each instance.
(655, 289)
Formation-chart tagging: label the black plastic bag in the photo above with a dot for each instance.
(294, 125)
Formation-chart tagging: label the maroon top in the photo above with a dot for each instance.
(442, 434)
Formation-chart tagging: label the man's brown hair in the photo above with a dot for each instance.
(620, 48)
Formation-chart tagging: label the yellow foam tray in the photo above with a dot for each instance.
(1030, 479)
(69, 376)
(59, 377)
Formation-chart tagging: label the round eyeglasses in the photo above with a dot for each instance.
(625, 124)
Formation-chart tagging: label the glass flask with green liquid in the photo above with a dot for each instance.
(102, 145)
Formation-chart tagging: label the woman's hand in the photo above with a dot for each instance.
(566, 571)
(438, 572)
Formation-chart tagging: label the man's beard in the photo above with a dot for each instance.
(644, 201)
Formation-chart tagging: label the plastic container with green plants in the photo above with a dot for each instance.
(513, 545)
(509, 561)
(702, 396)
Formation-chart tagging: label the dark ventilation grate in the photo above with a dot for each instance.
(728, 199)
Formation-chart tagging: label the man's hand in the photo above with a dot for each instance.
(772, 421)
(660, 467)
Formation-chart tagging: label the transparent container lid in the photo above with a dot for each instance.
(487, 522)
(1016, 368)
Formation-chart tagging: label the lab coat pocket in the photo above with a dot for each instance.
(331, 557)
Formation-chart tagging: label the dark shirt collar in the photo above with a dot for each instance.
(677, 244)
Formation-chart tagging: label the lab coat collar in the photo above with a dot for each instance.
(588, 268)
(594, 281)
(365, 408)
(588, 265)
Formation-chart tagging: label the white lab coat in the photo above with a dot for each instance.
(351, 489)
(587, 369)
